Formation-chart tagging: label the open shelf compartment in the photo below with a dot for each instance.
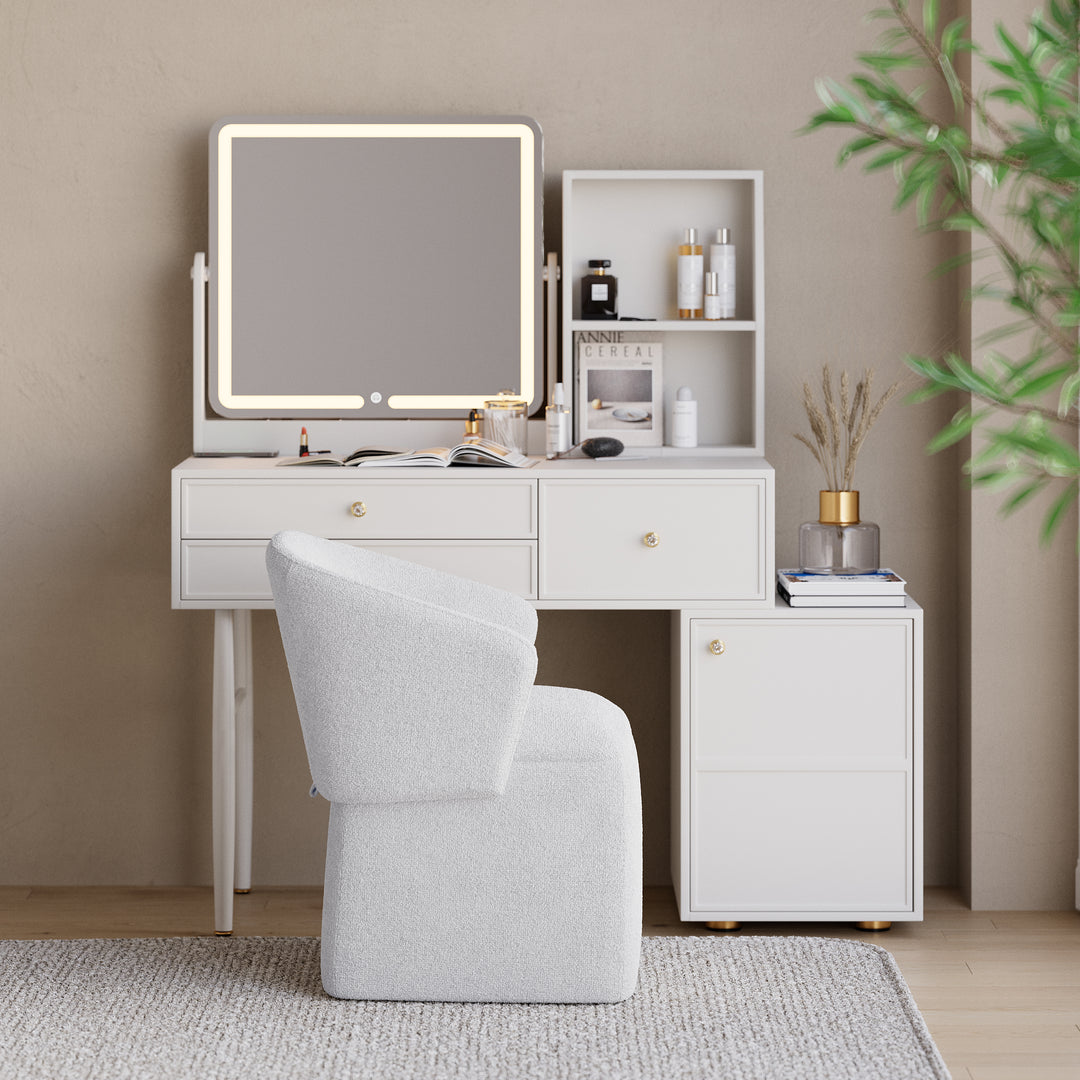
(636, 219)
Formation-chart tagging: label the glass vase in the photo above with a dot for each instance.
(838, 542)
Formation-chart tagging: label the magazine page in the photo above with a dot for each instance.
(312, 459)
(365, 452)
(433, 455)
(482, 452)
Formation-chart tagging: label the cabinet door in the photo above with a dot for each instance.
(801, 765)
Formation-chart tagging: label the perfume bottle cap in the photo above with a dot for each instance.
(558, 396)
(599, 264)
(712, 285)
(690, 236)
(723, 236)
(684, 394)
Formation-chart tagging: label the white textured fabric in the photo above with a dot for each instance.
(754, 1008)
(534, 896)
(455, 869)
(410, 683)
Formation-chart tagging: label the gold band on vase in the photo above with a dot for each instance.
(838, 507)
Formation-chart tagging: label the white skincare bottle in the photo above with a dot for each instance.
(684, 419)
(722, 264)
(557, 420)
(691, 277)
(712, 296)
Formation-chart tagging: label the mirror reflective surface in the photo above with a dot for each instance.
(373, 268)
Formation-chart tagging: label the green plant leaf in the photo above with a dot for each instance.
(959, 427)
(929, 18)
(1040, 384)
(1027, 492)
(951, 36)
(1070, 390)
(1056, 512)
(885, 159)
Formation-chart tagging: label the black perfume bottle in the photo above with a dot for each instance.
(599, 292)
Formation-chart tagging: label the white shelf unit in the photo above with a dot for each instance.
(636, 219)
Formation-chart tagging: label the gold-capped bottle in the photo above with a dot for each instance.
(599, 292)
(691, 277)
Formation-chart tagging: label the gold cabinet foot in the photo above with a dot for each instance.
(222, 933)
(241, 892)
(724, 925)
(874, 925)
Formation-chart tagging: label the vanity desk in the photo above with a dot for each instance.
(669, 533)
(794, 797)
(796, 733)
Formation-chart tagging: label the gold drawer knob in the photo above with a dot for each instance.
(651, 540)
(358, 509)
(717, 647)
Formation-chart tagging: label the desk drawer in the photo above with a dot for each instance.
(709, 537)
(441, 508)
(235, 570)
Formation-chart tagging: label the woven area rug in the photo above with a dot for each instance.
(766, 1008)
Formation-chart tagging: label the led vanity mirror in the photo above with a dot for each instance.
(373, 268)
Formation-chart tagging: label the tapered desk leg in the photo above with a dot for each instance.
(224, 770)
(244, 750)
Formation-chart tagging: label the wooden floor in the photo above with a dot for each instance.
(1000, 990)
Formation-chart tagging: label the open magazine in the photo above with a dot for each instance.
(480, 452)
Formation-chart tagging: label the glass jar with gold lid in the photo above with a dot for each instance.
(505, 421)
(839, 542)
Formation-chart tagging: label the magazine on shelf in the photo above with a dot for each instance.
(480, 452)
(846, 600)
(882, 582)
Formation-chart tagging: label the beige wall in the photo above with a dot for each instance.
(105, 761)
(1018, 628)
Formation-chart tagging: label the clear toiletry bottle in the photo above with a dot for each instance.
(722, 264)
(557, 418)
(684, 419)
(691, 277)
(712, 296)
(599, 292)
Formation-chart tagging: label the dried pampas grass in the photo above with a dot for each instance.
(838, 429)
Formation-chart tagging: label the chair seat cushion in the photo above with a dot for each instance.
(534, 895)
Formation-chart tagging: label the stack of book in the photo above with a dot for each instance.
(882, 588)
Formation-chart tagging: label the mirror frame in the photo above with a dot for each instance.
(225, 402)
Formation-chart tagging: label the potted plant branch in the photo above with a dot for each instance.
(1004, 167)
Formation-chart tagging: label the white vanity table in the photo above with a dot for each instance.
(795, 796)
(796, 791)
(656, 533)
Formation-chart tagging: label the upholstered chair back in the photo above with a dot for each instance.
(352, 621)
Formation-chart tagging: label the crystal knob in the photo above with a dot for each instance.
(651, 540)
(717, 647)
(358, 509)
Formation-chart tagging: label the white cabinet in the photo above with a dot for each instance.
(797, 765)
(636, 220)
